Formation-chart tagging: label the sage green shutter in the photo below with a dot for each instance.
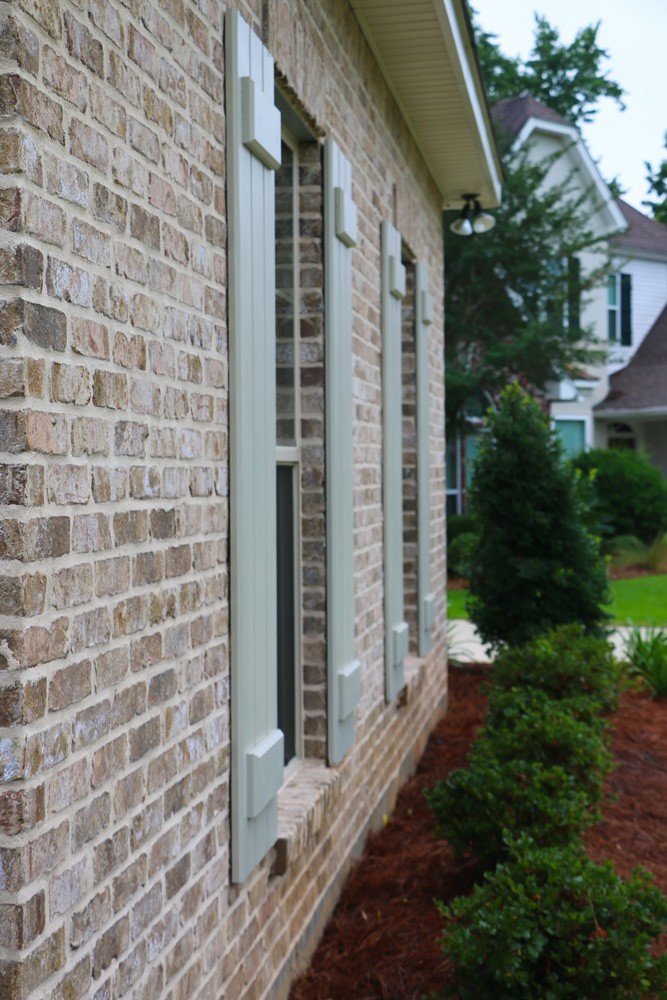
(425, 596)
(340, 235)
(253, 153)
(393, 291)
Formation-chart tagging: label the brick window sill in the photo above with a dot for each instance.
(304, 803)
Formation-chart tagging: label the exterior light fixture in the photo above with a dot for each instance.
(472, 219)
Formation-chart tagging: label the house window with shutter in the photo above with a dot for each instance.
(619, 308)
(294, 681)
(394, 292)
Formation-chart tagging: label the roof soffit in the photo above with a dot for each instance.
(426, 55)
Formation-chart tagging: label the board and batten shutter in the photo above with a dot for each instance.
(340, 235)
(425, 596)
(253, 154)
(393, 292)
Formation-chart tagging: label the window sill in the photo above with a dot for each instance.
(304, 803)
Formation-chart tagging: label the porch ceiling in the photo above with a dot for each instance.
(426, 52)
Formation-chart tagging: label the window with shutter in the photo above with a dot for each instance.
(340, 235)
(393, 291)
(619, 308)
(253, 154)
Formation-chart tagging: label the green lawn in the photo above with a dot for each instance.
(641, 600)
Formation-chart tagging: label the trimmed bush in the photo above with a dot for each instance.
(631, 493)
(460, 524)
(536, 565)
(526, 724)
(480, 806)
(565, 663)
(552, 924)
(461, 554)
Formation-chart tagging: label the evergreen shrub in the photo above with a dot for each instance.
(631, 494)
(565, 663)
(551, 924)
(536, 565)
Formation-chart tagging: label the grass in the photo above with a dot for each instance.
(641, 600)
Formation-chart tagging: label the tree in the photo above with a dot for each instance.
(657, 184)
(567, 78)
(513, 296)
(536, 566)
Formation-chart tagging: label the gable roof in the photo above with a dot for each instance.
(426, 52)
(641, 387)
(519, 117)
(511, 113)
(643, 233)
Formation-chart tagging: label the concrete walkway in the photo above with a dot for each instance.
(465, 645)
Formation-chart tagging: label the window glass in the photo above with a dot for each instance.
(572, 434)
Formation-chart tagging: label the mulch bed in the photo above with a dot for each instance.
(382, 942)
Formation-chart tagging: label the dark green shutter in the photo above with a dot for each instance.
(626, 309)
(573, 293)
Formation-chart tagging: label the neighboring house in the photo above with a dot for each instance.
(600, 406)
(223, 505)
(633, 411)
(525, 121)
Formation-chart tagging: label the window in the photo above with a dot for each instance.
(572, 434)
(621, 436)
(619, 308)
(288, 450)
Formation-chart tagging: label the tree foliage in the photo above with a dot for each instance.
(567, 78)
(513, 294)
(657, 185)
(512, 298)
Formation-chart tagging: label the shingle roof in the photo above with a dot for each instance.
(642, 384)
(643, 233)
(511, 113)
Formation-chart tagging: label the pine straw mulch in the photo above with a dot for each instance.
(382, 941)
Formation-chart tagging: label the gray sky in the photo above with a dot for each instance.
(635, 36)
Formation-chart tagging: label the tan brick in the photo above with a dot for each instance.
(90, 243)
(91, 918)
(70, 685)
(130, 352)
(110, 390)
(90, 338)
(68, 484)
(109, 760)
(83, 46)
(71, 284)
(109, 206)
(21, 265)
(46, 432)
(64, 79)
(92, 628)
(72, 585)
(90, 533)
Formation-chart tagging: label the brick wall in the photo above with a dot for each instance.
(114, 635)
